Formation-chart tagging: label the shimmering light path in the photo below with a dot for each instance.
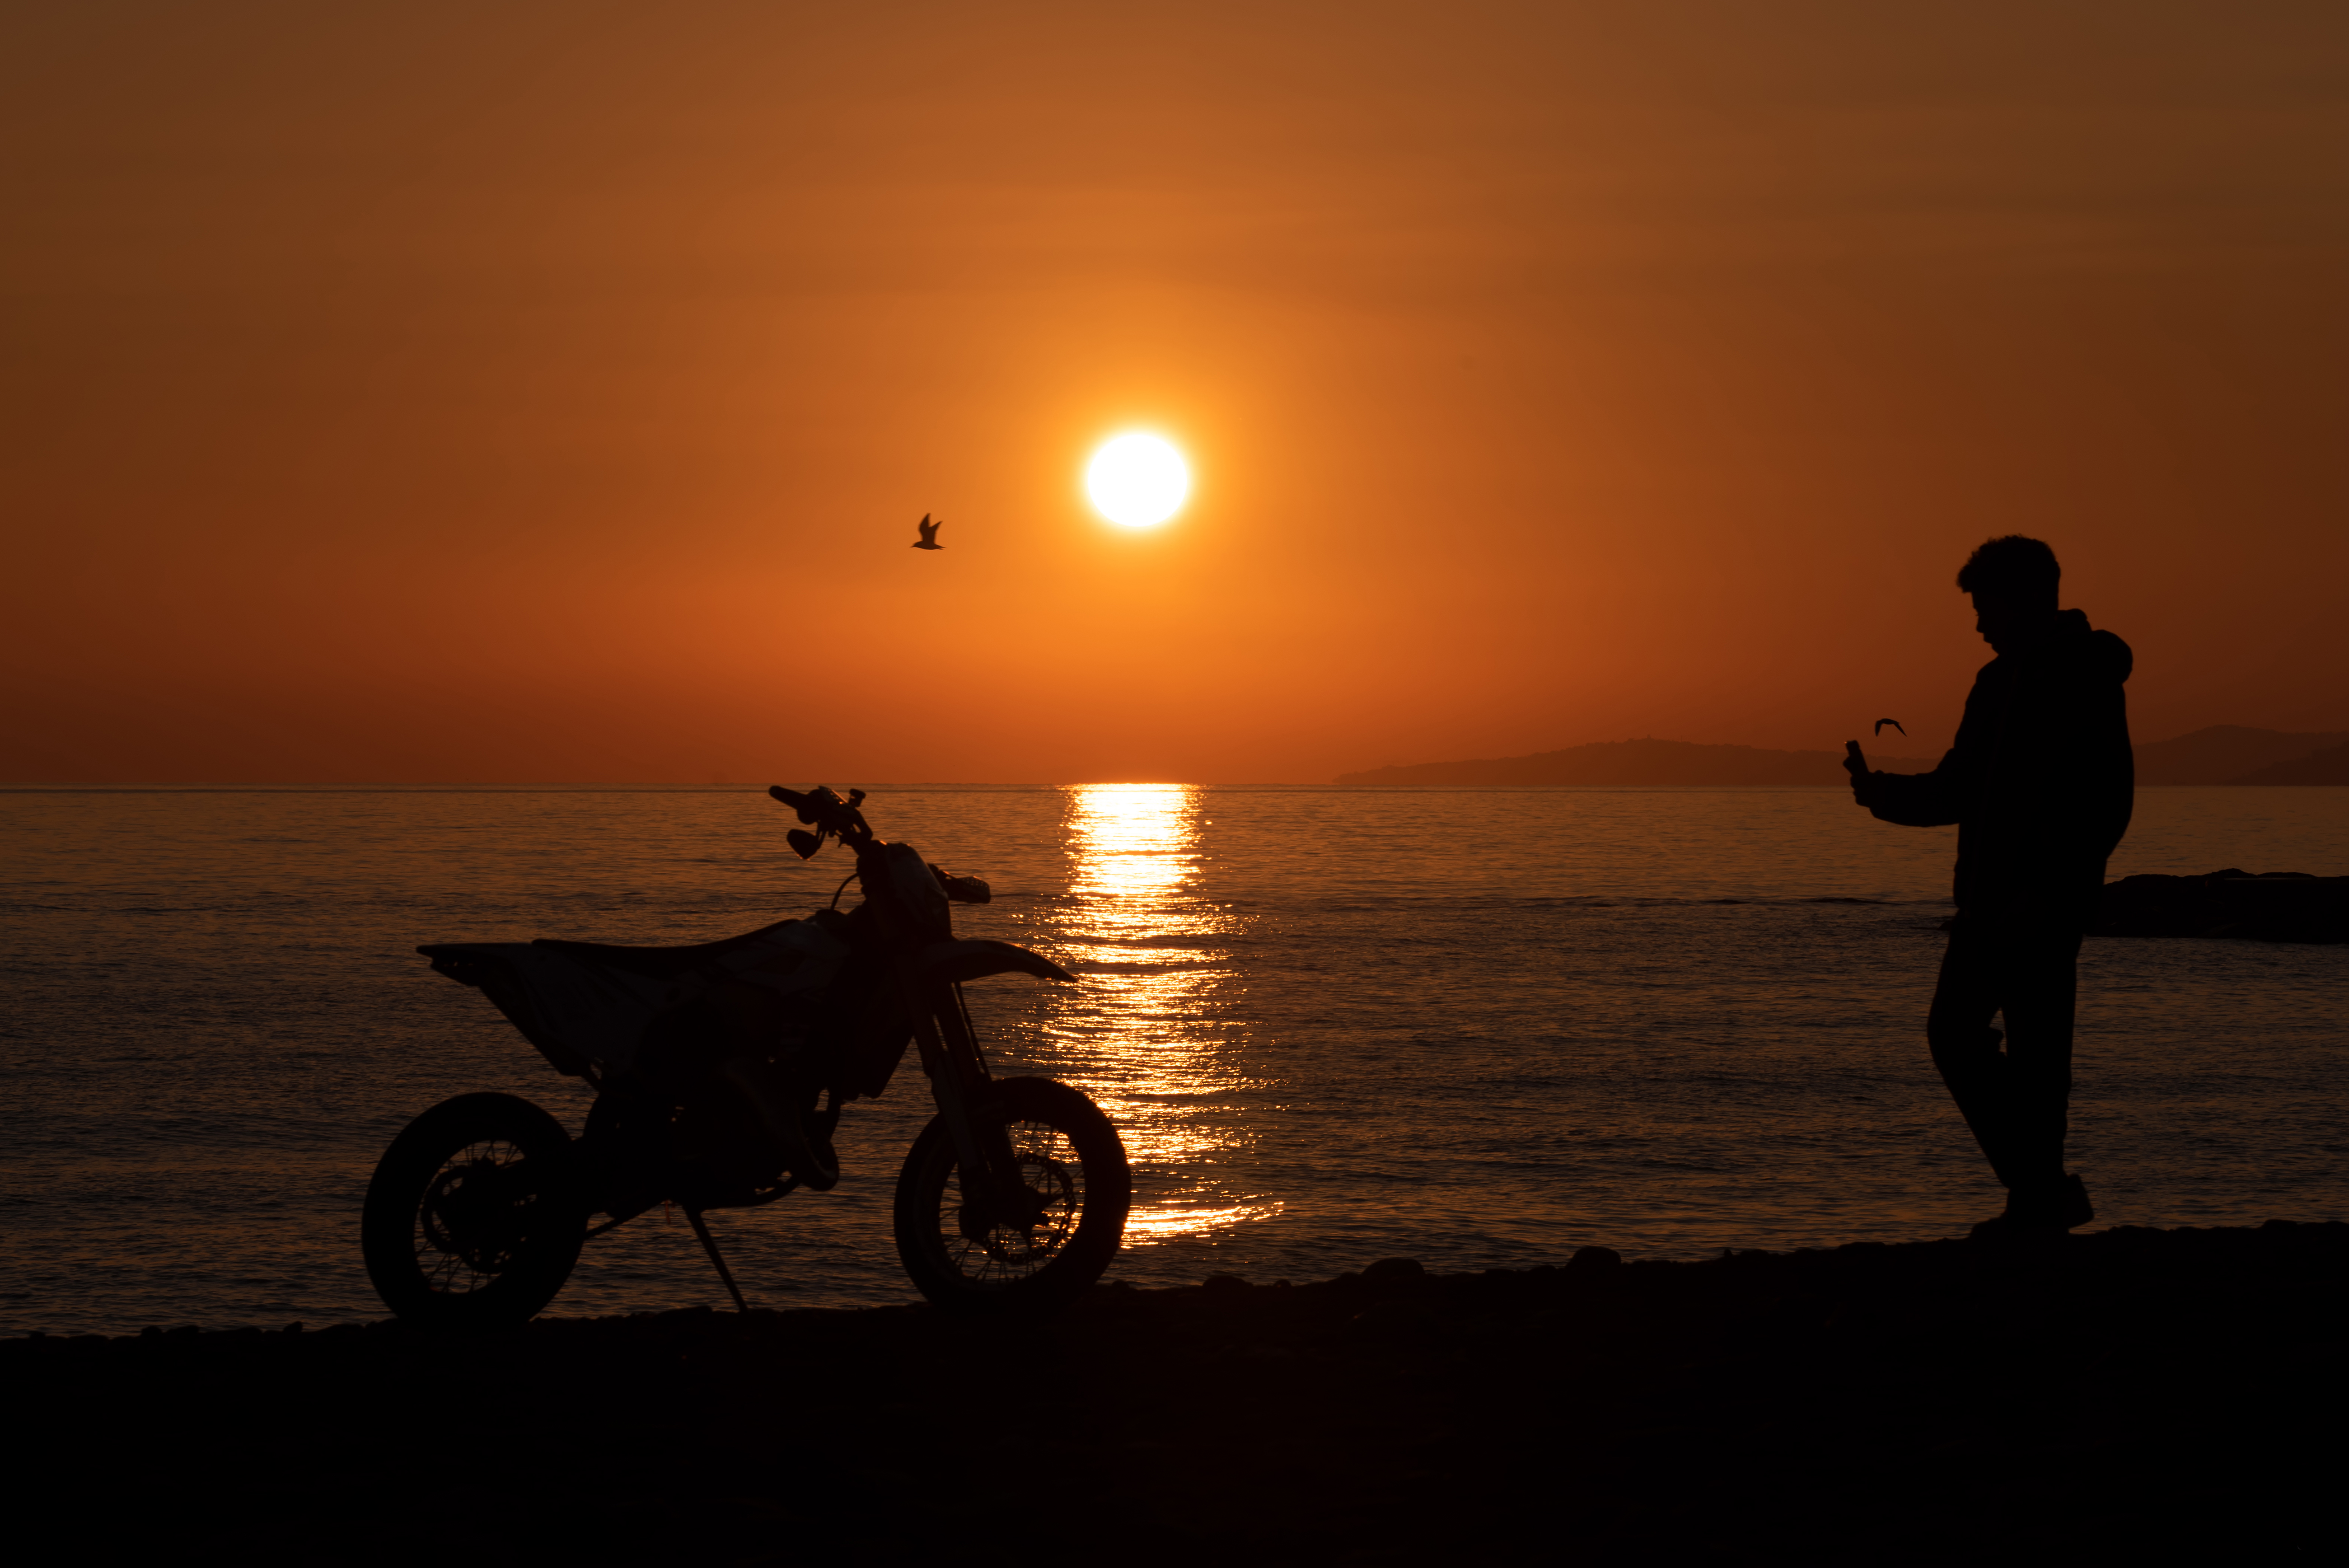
(1157, 1032)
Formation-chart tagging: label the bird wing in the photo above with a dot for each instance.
(1894, 722)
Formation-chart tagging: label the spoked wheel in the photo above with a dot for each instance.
(473, 1220)
(969, 1259)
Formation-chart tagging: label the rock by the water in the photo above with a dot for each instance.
(1389, 1272)
(2270, 906)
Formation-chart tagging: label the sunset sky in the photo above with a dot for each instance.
(503, 392)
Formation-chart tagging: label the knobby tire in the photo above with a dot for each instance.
(1070, 1155)
(472, 1220)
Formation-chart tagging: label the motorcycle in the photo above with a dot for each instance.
(708, 1064)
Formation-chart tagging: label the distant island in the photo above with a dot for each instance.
(2220, 754)
(2229, 753)
(1642, 761)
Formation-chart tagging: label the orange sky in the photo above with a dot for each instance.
(473, 392)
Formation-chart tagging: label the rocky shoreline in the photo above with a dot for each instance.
(2127, 1392)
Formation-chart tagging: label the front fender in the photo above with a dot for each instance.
(976, 960)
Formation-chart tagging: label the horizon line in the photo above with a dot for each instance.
(651, 787)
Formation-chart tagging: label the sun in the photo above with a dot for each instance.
(1137, 481)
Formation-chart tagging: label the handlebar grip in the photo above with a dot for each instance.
(810, 805)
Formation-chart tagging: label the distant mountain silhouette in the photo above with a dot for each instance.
(2329, 766)
(2231, 753)
(1640, 762)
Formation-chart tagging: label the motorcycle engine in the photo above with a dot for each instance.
(720, 1129)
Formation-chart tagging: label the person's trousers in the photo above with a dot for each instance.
(2014, 1099)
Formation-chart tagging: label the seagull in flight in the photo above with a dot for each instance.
(929, 540)
(1894, 722)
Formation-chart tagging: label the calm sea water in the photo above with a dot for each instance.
(1478, 1027)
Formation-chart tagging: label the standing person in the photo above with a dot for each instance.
(2039, 782)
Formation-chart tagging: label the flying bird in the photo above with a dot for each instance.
(929, 540)
(1894, 722)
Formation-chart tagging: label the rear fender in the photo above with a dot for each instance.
(976, 960)
(483, 967)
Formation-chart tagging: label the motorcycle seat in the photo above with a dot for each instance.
(657, 963)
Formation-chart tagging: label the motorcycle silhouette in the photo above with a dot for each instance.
(709, 1062)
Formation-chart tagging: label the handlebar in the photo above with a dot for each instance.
(818, 802)
(829, 815)
(832, 817)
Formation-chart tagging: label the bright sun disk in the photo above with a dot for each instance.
(1137, 481)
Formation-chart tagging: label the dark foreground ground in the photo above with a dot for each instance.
(2127, 1396)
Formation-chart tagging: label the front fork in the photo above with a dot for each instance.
(957, 1078)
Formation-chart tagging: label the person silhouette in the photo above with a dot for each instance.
(2040, 782)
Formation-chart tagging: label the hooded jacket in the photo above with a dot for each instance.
(2041, 779)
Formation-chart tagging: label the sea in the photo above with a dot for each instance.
(1477, 1027)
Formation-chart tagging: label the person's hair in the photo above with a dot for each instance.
(2011, 567)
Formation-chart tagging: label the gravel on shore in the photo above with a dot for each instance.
(2122, 1394)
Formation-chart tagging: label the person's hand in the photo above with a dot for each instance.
(1862, 781)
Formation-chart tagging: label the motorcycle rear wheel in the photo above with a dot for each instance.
(473, 1220)
(1074, 1168)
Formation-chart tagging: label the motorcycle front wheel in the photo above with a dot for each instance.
(472, 1220)
(1078, 1188)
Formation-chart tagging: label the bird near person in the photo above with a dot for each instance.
(1894, 722)
(930, 539)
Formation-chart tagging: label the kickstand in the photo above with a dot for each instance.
(709, 1245)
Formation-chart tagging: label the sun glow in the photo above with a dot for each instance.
(1137, 481)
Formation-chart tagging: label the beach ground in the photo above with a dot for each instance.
(2127, 1395)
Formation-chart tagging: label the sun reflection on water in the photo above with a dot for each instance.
(1153, 1034)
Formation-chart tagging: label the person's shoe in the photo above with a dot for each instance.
(2072, 1206)
(2002, 1230)
(2039, 1211)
